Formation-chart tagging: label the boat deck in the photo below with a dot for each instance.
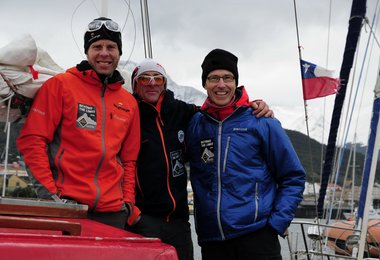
(32, 229)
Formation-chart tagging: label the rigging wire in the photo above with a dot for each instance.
(71, 27)
(350, 111)
(324, 99)
(129, 13)
(340, 149)
(351, 108)
(318, 230)
(305, 102)
(373, 31)
(366, 178)
(347, 121)
(357, 14)
(134, 31)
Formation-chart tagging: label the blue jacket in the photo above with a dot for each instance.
(245, 175)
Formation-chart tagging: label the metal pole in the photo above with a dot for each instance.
(6, 159)
(368, 201)
(146, 29)
(104, 10)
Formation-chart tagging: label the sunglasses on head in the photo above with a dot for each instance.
(109, 24)
(145, 80)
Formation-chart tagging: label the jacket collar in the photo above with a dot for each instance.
(85, 69)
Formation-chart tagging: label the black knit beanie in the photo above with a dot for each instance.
(102, 33)
(219, 59)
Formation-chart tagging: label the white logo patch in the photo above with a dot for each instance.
(181, 136)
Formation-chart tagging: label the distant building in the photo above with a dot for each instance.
(14, 182)
(13, 168)
(311, 189)
(16, 177)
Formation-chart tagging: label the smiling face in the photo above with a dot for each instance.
(220, 86)
(150, 85)
(103, 56)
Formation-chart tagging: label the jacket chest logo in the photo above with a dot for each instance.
(181, 136)
(86, 117)
(178, 167)
(207, 150)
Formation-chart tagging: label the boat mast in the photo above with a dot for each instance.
(369, 171)
(358, 10)
(145, 24)
(104, 8)
(146, 29)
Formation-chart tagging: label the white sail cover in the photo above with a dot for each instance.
(15, 61)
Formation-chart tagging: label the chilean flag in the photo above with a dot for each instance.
(317, 81)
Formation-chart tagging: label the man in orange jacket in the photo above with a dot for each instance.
(81, 138)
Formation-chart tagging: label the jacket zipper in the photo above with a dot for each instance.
(226, 153)
(158, 121)
(257, 201)
(60, 167)
(219, 181)
(97, 188)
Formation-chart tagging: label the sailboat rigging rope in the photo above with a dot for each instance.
(324, 100)
(129, 13)
(357, 15)
(305, 103)
(134, 30)
(352, 107)
(319, 243)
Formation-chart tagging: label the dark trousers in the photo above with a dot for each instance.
(176, 232)
(259, 245)
(115, 219)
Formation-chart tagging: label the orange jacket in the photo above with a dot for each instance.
(81, 139)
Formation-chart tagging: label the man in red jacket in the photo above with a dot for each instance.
(82, 136)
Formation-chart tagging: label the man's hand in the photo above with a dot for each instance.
(260, 108)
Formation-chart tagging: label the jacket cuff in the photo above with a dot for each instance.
(134, 214)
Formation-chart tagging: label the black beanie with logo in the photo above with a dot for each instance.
(219, 59)
(102, 33)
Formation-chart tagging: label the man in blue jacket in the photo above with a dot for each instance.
(246, 177)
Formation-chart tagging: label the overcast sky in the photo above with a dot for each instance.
(262, 33)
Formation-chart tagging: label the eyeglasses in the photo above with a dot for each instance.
(109, 24)
(216, 78)
(145, 80)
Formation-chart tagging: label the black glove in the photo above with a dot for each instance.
(127, 209)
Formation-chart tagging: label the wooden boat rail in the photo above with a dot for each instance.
(22, 213)
(66, 227)
(41, 208)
